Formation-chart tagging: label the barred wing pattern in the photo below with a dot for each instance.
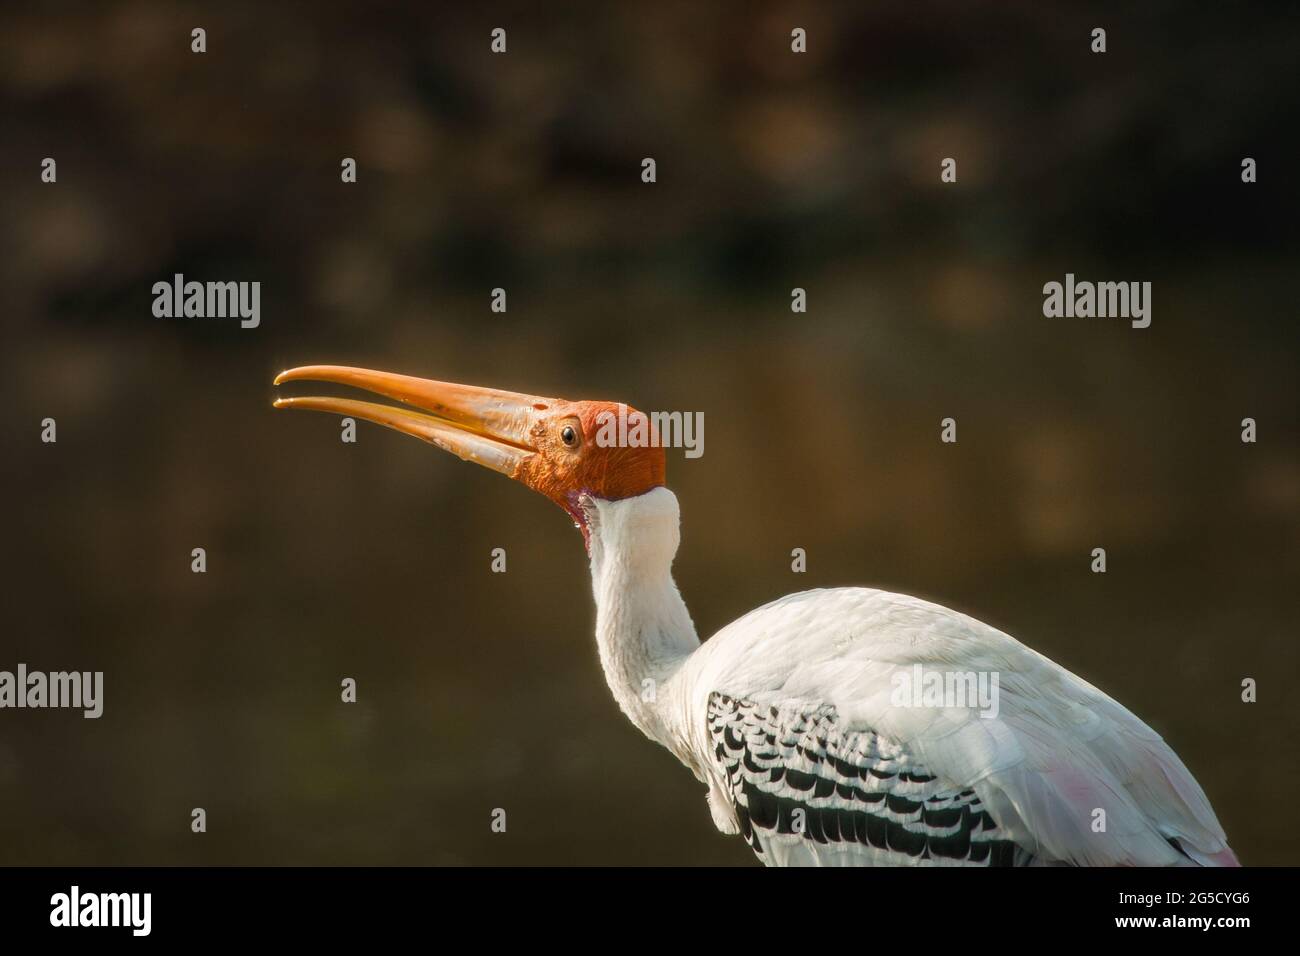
(806, 792)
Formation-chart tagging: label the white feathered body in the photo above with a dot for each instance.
(792, 717)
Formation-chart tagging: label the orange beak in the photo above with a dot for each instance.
(483, 425)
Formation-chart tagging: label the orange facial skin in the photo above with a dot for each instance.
(553, 446)
(568, 460)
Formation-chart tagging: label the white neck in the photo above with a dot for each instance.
(643, 630)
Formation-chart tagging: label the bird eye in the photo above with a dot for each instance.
(569, 436)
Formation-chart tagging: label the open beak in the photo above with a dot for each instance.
(482, 425)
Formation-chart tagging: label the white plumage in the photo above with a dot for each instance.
(1061, 774)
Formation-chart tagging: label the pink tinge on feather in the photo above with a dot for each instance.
(1224, 857)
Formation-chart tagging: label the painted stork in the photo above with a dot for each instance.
(792, 715)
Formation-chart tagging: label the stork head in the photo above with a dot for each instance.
(553, 446)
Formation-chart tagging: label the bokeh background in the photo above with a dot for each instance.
(481, 690)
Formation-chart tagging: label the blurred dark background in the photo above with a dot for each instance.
(775, 170)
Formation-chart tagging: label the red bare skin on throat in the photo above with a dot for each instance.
(569, 462)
